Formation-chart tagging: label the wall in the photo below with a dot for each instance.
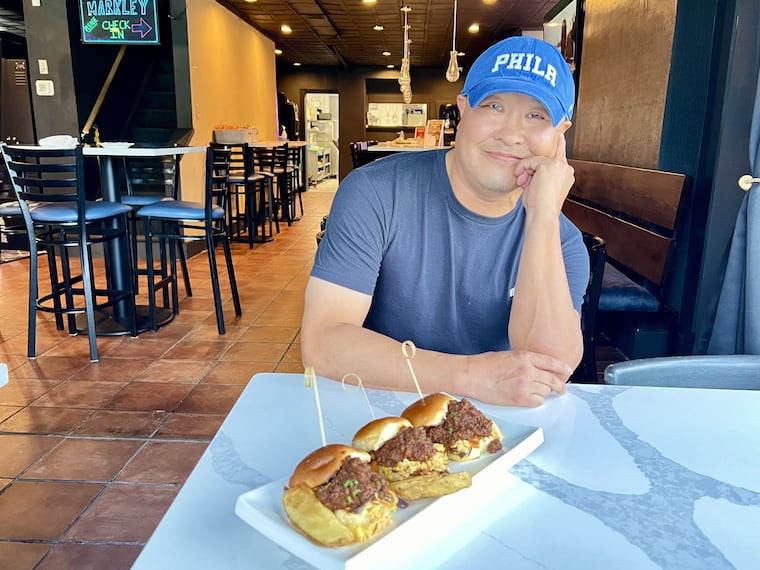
(428, 86)
(232, 81)
(623, 80)
(48, 38)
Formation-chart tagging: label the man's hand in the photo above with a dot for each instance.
(516, 377)
(546, 181)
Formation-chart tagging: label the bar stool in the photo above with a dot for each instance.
(49, 186)
(180, 220)
(273, 162)
(248, 192)
(295, 165)
(149, 180)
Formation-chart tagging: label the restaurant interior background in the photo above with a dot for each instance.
(667, 85)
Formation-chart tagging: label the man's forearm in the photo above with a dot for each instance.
(339, 349)
(543, 318)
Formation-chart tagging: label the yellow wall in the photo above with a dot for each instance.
(232, 81)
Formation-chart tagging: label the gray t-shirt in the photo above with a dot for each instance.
(439, 274)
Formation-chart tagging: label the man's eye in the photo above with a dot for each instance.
(493, 106)
(536, 116)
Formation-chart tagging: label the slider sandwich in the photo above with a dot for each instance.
(334, 498)
(415, 466)
(456, 424)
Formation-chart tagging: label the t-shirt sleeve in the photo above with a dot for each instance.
(351, 250)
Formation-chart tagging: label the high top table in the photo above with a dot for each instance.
(116, 322)
(627, 477)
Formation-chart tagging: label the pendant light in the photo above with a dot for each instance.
(405, 77)
(452, 71)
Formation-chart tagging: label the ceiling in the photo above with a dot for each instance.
(339, 32)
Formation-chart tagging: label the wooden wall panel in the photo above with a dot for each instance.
(624, 71)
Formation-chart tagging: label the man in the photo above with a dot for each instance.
(465, 251)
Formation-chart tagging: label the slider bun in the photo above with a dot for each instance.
(374, 435)
(320, 465)
(428, 411)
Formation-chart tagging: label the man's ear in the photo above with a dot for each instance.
(563, 126)
(461, 102)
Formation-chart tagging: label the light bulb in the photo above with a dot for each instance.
(452, 72)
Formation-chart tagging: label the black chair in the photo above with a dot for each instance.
(180, 220)
(149, 180)
(249, 194)
(273, 162)
(295, 167)
(586, 371)
(49, 186)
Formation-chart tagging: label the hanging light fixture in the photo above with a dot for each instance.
(452, 71)
(405, 77)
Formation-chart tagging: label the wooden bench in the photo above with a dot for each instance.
(636, 212)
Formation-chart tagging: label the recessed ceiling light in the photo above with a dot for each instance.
(378, 27)
(251, 1)
(486, 2)
(285, 29)
(390, 66)
(369, 1)
(277, 51)
(460, 54)
(297, 64)
(386, 53)
(474, 28)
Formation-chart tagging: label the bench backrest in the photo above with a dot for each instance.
(633, 209)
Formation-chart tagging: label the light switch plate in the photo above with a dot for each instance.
(44, 87)
(43, 66)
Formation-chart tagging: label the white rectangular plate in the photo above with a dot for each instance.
(417, 529)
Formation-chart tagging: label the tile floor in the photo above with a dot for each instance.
(92, 454)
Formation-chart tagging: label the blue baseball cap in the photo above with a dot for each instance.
(523, 64)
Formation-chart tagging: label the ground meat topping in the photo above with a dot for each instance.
(352, 486)
(463, 422)
(410, 443)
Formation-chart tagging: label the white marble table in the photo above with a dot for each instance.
(628, 477)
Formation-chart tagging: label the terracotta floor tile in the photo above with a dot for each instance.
(26, 508)
(169, 370)
(124, 513)
(289, 368)
(18, 555)
(8, 411)
(211, 398)
(68, 556)
(192, 350)
(3, 484)
(45, 420)
(110, 369)
(191, 426)
(51, 367)
(141, 347)
(20, 451)
(22, 392)
(236, 372)
(81, 394)
(84, 460)
(163, 462)
(149, 396)
(293, 354)
(118, 423)
(275, 333)
(256, 351)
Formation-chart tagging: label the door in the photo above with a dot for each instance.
(322, 131)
